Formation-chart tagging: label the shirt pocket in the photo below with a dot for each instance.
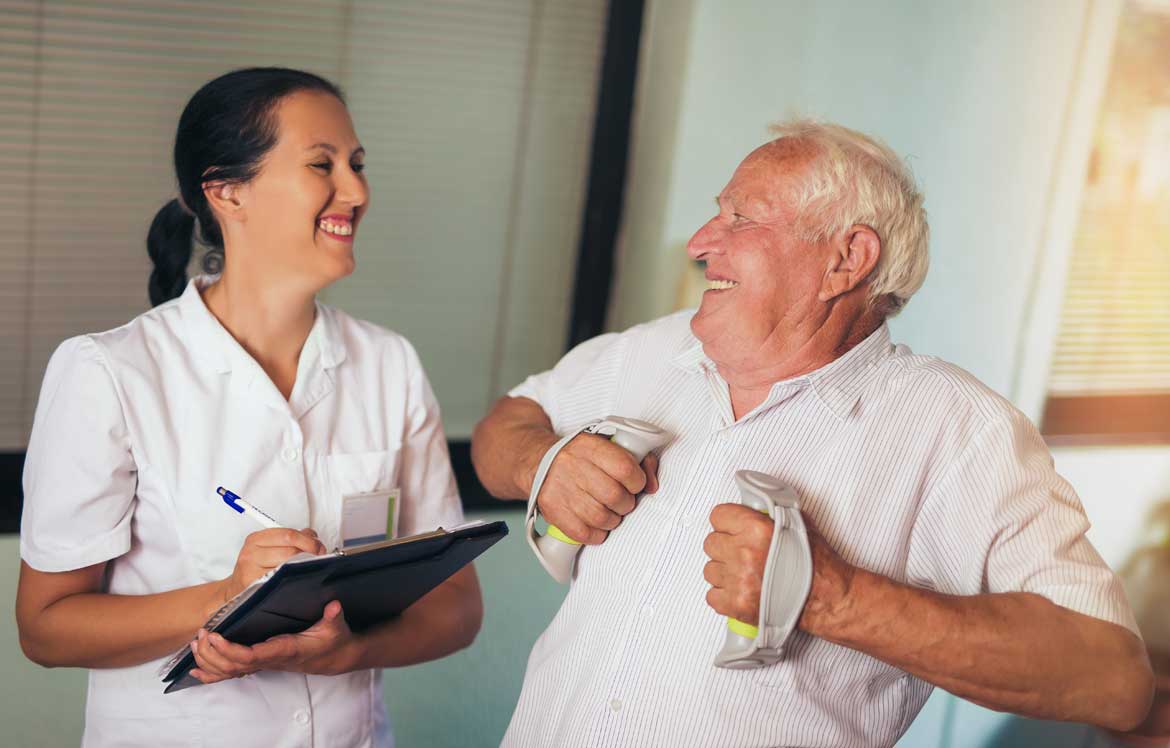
(356, 473)
(361, 472)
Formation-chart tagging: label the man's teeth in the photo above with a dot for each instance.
(720, 285)
(338, 228)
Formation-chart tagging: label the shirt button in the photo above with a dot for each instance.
(647, 611)
(301, 716)
(289, 455)
(615, 704)
(685, 520)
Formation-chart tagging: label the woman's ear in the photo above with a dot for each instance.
(854, 257)
(225, 200)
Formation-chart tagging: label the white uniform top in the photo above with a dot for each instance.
(134, 430)
(909, 467)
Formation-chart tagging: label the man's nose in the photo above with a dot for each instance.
(706, 240)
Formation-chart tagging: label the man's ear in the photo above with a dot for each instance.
(224, 199)
(854, 257)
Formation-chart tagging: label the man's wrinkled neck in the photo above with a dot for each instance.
(791, 351)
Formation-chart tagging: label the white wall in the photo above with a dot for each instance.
(973, 93)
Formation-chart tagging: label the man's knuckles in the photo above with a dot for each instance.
(615, 497)
(622, 468)
(751, 559)
(726, 517)
(711, 573)
(736, 519)
(601, 518)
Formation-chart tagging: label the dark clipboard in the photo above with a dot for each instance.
(373, 582)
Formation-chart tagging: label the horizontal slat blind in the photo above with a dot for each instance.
(1115, 331)
(476, 161)
(477, 117)
(18, 56)
(100, 87)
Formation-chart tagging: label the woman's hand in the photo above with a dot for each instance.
(326, 648)
(263, 551)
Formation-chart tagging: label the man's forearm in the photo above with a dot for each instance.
(1014, 652)
(507, 445)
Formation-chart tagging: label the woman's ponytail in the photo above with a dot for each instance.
(169, 244)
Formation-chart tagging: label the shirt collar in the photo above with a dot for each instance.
(838, 383)
(215, 347)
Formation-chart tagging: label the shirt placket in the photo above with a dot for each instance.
(643, 619)
(293, 480)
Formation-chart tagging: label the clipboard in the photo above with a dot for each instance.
(373, 582)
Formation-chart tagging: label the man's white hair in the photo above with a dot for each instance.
(855, 179)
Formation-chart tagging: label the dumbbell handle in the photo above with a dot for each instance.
(637, 445)
(787, 576)
(556, 550)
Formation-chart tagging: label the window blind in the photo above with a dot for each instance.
(1115, 332)
(1110, 378)
(476, 116)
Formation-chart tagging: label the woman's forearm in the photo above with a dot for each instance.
(100, 630)
(444, 621)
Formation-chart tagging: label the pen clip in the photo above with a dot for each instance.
(229, 498)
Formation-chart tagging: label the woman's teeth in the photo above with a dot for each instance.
(720, 285)
(338, 228)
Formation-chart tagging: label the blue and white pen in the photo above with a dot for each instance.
(243, 507)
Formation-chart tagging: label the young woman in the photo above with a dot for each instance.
(244, 380)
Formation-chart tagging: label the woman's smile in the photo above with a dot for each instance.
(339, 227)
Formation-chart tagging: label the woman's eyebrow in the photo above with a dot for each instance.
(359, 151)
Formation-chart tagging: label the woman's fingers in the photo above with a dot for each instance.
(221, 658)
(210, 669)
(286, 537)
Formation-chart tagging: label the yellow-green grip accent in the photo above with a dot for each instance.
(556, 533)
(745, 630)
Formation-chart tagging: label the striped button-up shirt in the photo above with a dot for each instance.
(908, 466)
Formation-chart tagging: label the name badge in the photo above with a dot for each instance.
(369, 517)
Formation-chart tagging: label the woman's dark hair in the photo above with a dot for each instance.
(224, 132)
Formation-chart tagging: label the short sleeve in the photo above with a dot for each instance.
(79, 474)
(581, 386)
(430, 497)
(1003, 520)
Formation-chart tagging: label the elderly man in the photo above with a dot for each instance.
(946, 551)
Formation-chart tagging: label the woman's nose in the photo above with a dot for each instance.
(352, 188)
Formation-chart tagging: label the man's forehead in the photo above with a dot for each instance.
(763, 178)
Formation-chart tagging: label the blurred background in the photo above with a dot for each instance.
(536, 168)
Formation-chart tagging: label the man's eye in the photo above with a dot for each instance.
(325, 165)
(739, 216)
(359, 168)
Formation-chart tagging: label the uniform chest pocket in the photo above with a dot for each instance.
(361, 472)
